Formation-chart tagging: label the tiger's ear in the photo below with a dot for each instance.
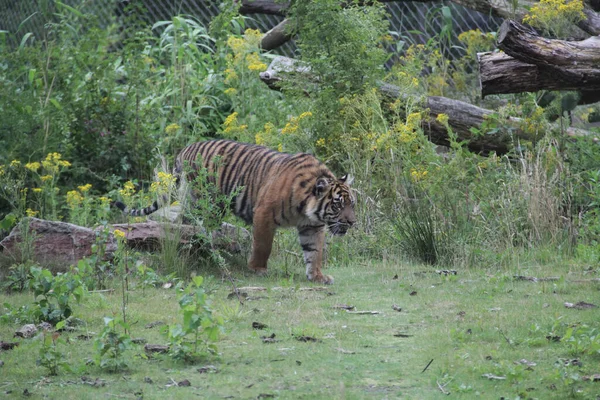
(347, 179)
(321, 187)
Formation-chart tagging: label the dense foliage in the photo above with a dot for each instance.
(90, 111)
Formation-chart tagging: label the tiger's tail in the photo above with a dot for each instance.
(137, 212)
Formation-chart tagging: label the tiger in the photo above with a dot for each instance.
(273, 190)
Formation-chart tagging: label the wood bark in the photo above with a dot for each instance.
(531, 63)
(276, 36)
(462, 116)
(500, 73)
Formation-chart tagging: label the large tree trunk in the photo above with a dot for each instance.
(531, 63)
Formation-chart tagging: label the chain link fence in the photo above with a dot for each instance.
(418, 21)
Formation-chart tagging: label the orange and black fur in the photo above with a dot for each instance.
(274, 190)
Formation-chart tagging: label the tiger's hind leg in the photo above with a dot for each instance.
(263, 233)
(312, 240)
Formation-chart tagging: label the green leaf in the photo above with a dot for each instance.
(70, 9)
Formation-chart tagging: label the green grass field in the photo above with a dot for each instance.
(480, 333)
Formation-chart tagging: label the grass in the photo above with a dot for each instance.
(477, 322)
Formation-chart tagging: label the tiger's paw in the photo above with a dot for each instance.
(325, 279)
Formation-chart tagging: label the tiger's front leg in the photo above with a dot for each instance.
(312, 240)
(262, 241)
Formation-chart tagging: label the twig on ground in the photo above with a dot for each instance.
(442, 388)
(427, 366)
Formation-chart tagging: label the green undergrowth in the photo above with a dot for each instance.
(451, 331)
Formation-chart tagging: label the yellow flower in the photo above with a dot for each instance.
(74, 198)
(84, 188)
(172, 128)
(413, 121)
(320, 142)
(128, 189)
(164, 184)
(119, 234)
(33, 166)
(15, 163)
(259, 139)
(442, 119)
(230, 119)
(37, 190)
(415, 82)
(104, 200)
(230, 91)
(45, 178)
(31, 213)
(280, 147)
(1, 170)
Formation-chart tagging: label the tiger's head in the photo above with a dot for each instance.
(337, 203)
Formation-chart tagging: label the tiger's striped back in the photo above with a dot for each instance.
(251, 169)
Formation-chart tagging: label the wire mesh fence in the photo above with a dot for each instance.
(418, 21)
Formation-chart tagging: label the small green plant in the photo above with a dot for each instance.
(53, 295)
(50, 357)
(94, 269)
(582, 339)
(18, 278)
(111, 346)
(195, 336)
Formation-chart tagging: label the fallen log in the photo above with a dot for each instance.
(277, 36)
(570, 58)
(462, 116)
(500, 73)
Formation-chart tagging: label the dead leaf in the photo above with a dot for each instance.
(525, 362)
(402, 335)
(494, 377)
(167, 285)
(343, 307)
(582, 305)
(259, 325)
(363, 312)
(413, 293)
(26, 331)
(8, 346)
(446, 272)
(147, 379)
(156, 348)
(93, 382)
(251, 289)
(345, 351)
(553, 338)
(593, 378)
(395, 276)
(207, 369)
(304, 338)
(269, 339)
(138, 341)
(154, 324)
(266, 396)
(396, 308)
(534, 279)
(184, 382)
